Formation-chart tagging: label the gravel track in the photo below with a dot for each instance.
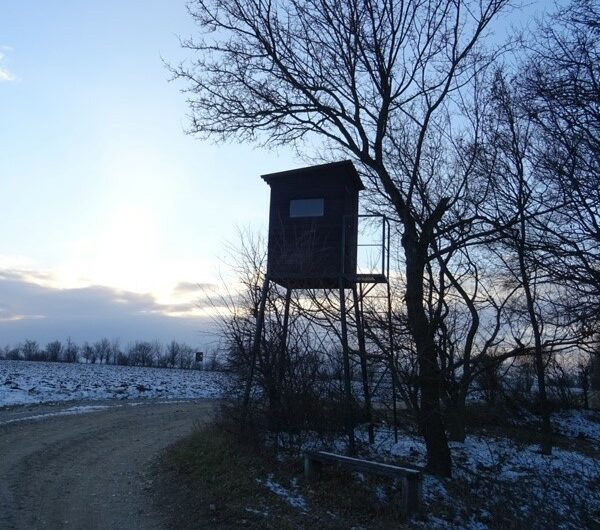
(74, 471)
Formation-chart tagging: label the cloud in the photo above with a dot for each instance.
(5, 74)
(29, 309)
(190, 287)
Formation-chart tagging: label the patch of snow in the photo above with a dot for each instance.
(572, 423)
(409, 446)
(582, 424)
(434, 490)
(83, 409)
(293, 499)
(380, 494)
(438, 523)
(263, 513)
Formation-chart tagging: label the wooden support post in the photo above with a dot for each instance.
(363, 362)
(347, 381)
(392, 360)
(281, 364)
(284, 333)
(260, 318)
(312, 469)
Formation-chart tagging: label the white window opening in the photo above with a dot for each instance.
(307, 207)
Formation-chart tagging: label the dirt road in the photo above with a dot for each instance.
(60, 468)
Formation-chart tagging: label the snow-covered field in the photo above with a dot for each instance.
(24, 382)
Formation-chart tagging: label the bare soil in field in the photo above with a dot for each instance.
(87, 465)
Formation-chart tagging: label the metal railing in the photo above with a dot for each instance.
(378, 239)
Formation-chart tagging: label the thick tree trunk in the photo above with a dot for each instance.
(456, 418)
(546, 435)
(430, 416)
(585, 386)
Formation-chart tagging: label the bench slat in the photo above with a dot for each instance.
(363, 464)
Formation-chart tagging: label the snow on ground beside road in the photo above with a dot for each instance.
(572, 423)
(71, 411)
(293, 498)
(500, 478)
(583, 424)
(24, 382)
(498, 481)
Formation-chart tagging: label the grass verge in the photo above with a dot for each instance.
(209, 480)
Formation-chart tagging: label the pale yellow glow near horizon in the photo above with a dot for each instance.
(124, 253)
(160, 280)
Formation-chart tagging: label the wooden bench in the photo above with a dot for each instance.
(411, 483)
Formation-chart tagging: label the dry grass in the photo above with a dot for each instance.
(209, 480)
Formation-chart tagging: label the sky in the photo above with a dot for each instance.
(110, 215)
(113, 221)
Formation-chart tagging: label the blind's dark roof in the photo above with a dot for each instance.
(338, 170)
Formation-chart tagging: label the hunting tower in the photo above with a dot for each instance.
(314, 244)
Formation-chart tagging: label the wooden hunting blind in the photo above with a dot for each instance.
(313, 226)
(314, 244)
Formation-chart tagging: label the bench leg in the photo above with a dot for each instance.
(404, 497)
(412, 493)
(312, 469)
(416, 494)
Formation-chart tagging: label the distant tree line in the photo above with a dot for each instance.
(105, 351)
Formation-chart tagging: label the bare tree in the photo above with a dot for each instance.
(469, 311)
(560, 85)
(88, 352)
(13, 354)
(144, 353)
(294, 371)
(70, 352)
(374, 81)
(522, 193)
(102, 349)
(54, 351)
(31, 350)
(186, 356)
(173, 354)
